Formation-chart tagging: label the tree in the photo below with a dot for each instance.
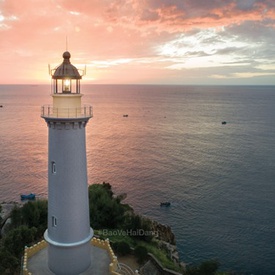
(209, 267)
(140, 225)
(105, 210)
(0, 213)
(16, 217)
(41, 224)
(108, 188)
(121, 248)
(16, 239)
(27, 225)
(30, 214)
(9, 263)
(205, 268)
(141, 253)
(12, 247)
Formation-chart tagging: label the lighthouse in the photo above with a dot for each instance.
(69, 232)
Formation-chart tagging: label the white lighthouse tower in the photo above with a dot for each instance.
(69, 233)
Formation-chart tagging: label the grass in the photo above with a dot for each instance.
(160, 255)
(117, 235)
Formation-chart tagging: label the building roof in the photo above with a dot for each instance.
(66, 69)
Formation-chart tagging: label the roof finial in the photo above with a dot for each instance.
(66, 43)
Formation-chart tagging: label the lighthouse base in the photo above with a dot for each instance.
(69, 261)
(69, 258)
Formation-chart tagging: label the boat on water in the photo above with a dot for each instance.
(125, 115)
(30, 196)
(223, 122)
(166, 203)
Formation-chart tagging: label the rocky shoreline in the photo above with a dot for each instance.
(166, 241)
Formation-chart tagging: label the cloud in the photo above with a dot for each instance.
(167, 36)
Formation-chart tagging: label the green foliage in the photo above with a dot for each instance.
(0, 213)
(121, 248)
(32, 214)
(112, 235)
(141, 253)
(15, 241)
(105, 216)
(16, 217)
(108, 188)
(205, 268)
(138, 224)
(9, 263)
(28, 223)
(40, 217)
(209, 267)
(105, 210)
(12, 247)
(106, 213)
(161, 255)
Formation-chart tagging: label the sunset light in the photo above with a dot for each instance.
(161, 42)
(66, 84)
(137, 136)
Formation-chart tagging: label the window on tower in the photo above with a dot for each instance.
(53, 167)
(54, 221)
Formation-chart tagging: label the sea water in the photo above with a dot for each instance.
(220, 179)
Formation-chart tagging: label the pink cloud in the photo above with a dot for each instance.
(35, 35)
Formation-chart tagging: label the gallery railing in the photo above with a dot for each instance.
(48, 111)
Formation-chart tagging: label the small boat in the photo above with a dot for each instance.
(223, 122)
(166, 203)
(125, 115)
(30, 196)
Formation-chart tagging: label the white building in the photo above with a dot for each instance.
(69, 233)
(70, 247)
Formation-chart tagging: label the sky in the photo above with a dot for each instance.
(205, 42)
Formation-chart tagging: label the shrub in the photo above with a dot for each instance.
(209, 267)
(0, 213)
(16, 239)
(122, 248)
(9, 263)
(139, 224)
(31, 214)
(105, 210)
(141, 253)
(16, 217)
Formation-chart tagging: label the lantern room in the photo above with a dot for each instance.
(66, 77)
(66, 93)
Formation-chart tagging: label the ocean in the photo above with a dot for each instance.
(220, 179)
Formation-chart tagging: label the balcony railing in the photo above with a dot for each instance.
(48, 111)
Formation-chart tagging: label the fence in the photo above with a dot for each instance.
(48, 111)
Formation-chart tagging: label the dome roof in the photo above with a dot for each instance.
(66, 69)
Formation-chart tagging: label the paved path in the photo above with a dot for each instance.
(37, 264)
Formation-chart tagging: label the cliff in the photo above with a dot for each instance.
(166, 240)
(164, 232)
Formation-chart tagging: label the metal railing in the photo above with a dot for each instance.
(48, 111)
